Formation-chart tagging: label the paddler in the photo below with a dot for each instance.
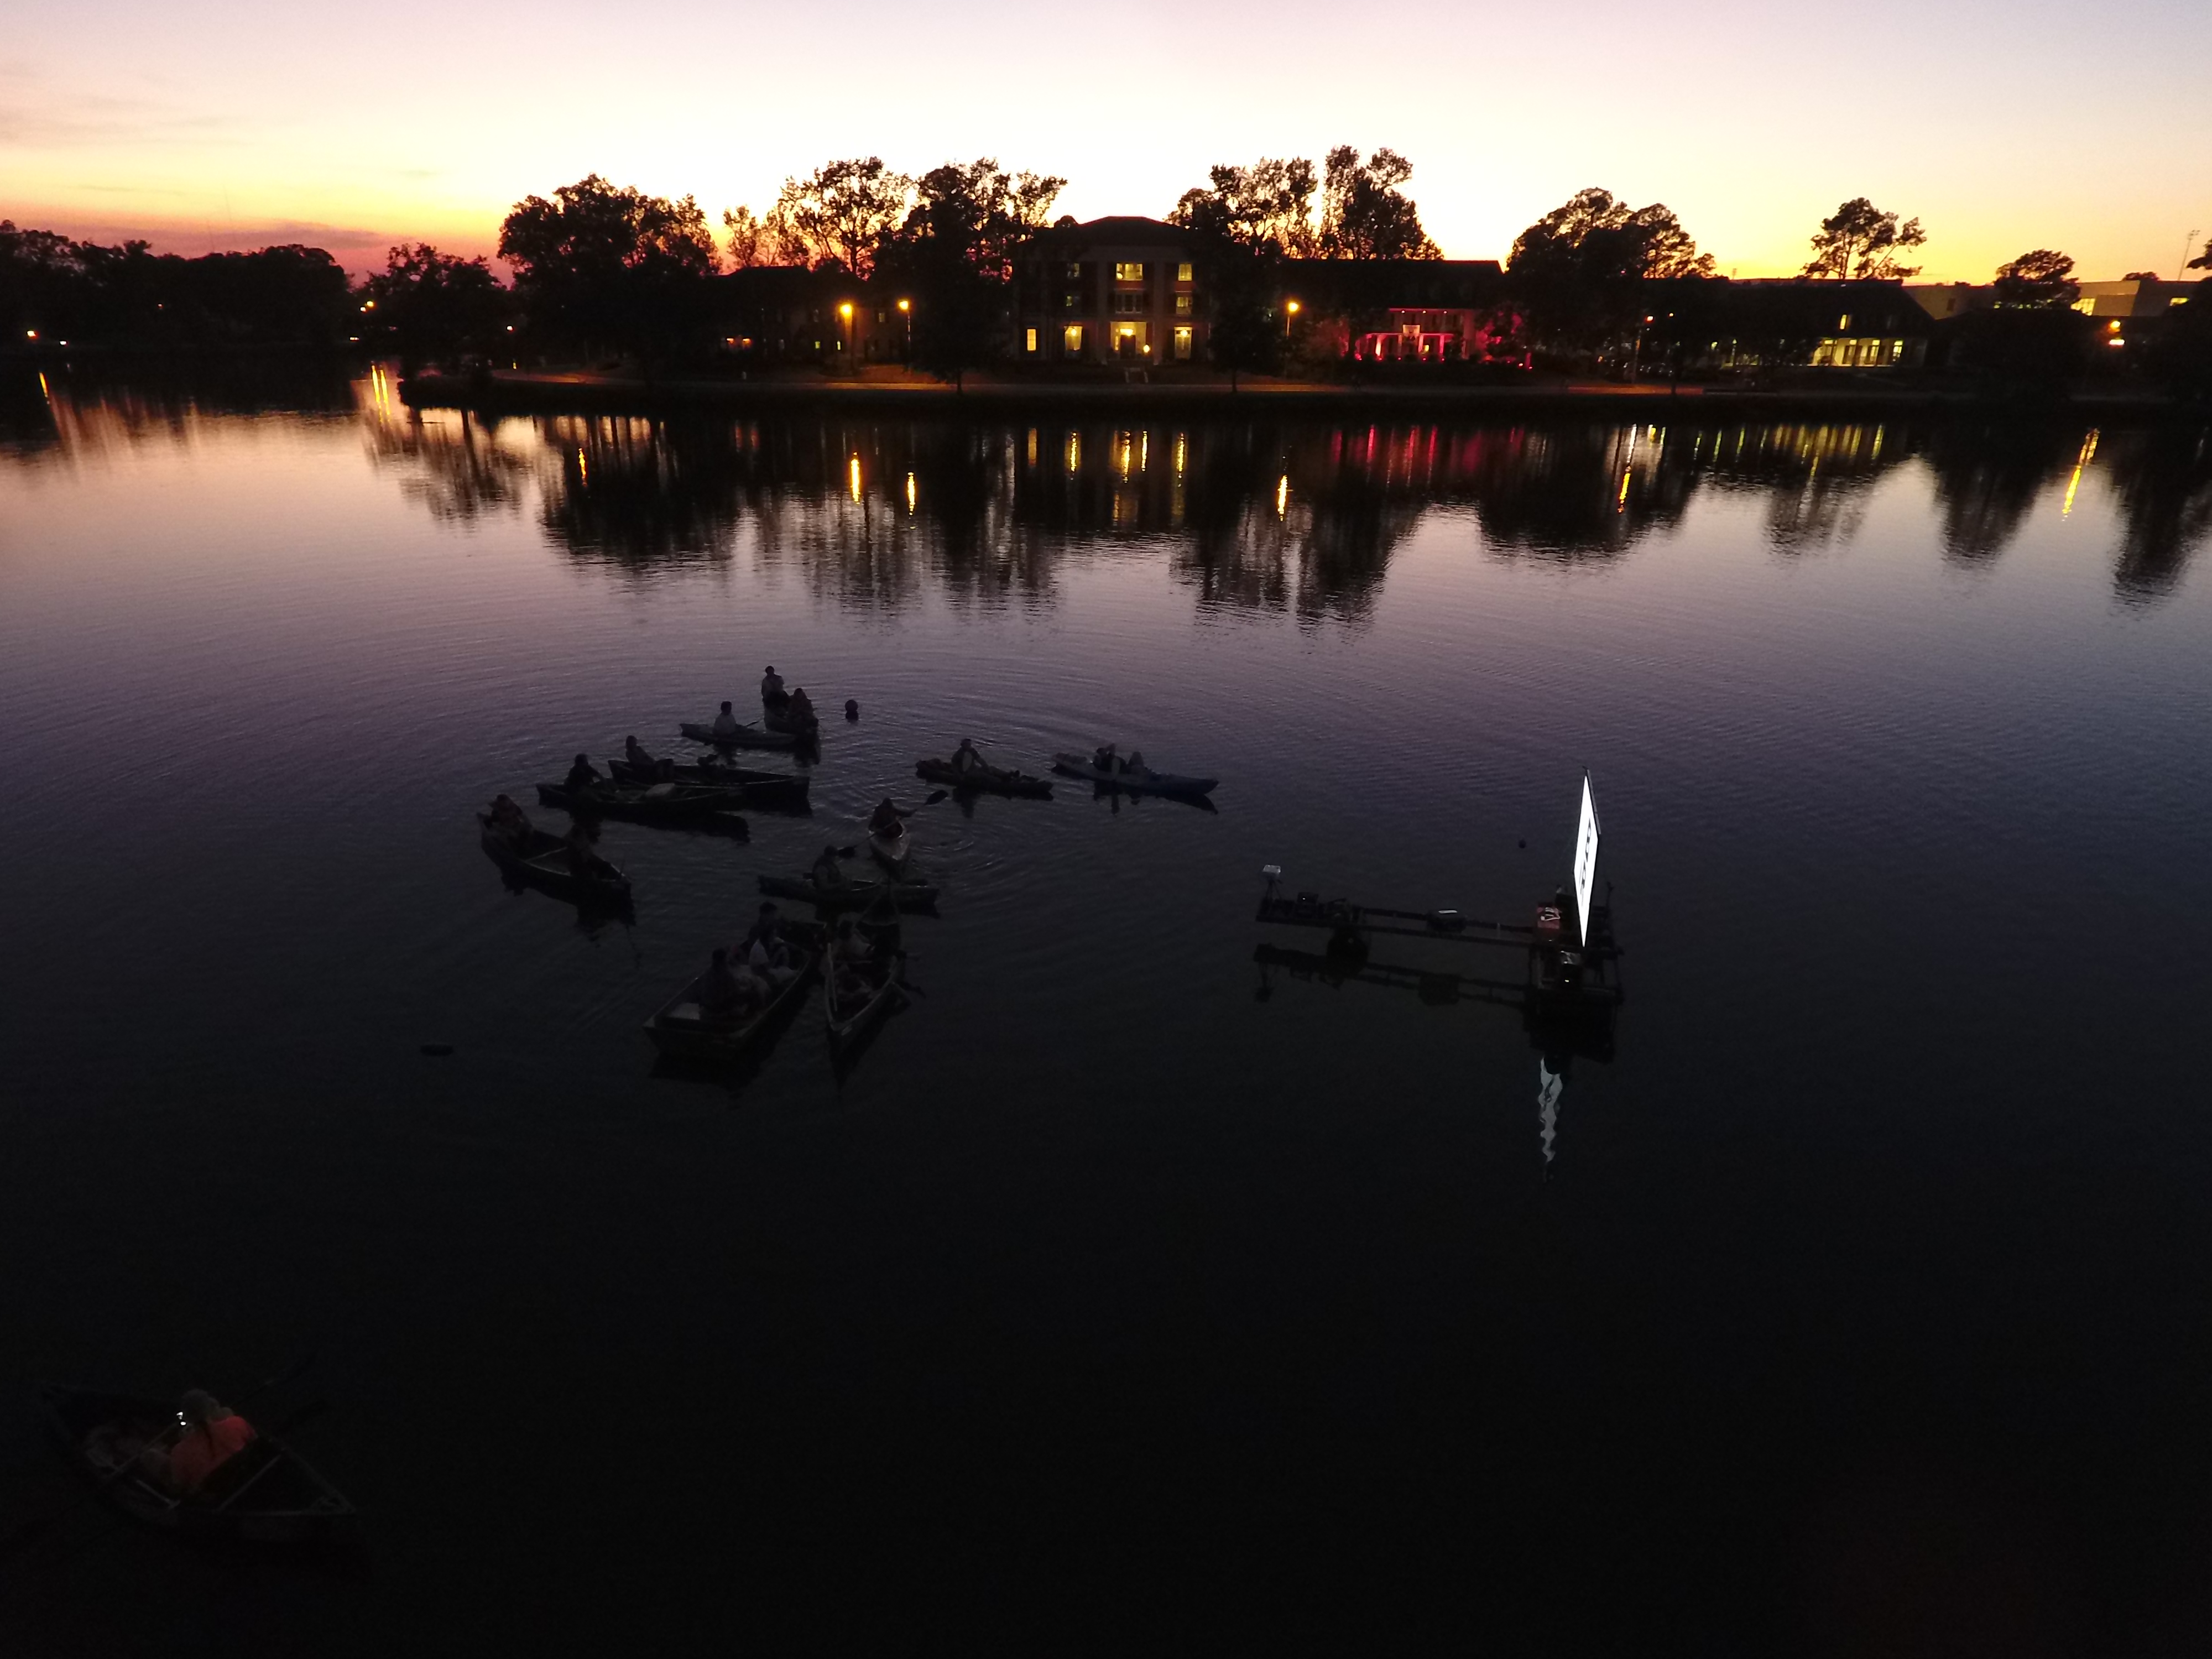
(827, 874)
(582, 777)
(965, 760)
(508, 821)
(802, 708)
(772, 695)
(634, 752)
(726, 723)
(886, 819)
(1101, 757)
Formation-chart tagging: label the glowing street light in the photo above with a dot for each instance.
(1290, 311)
(845, 311)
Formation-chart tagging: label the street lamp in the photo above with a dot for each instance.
(1290, 311)
(906, 316)
(846, 312)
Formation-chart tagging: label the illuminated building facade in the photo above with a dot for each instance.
(1122, 290)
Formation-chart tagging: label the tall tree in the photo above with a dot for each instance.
(1859, 239)
(2042, 280)
(1577, 269)
(748, 238)
(602, 265)
(2202, 261)
(1266, 205)
(952, 258)
(434, 303)
(841, 214)
(1365, 215)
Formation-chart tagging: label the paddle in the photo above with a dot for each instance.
(28, 1531)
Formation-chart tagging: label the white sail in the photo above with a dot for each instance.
(1586, 859)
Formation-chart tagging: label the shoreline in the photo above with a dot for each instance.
(592, 393)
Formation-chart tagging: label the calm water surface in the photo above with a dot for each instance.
(1118, 1295)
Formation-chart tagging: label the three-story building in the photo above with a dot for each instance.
(1117, 290)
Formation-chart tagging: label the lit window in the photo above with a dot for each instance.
(1182, 355)
(1182, 271)
(1074, 340)
(1075, 273)
(1845, 326)
(1032, 340)
(1127, 271)
(1182, 305)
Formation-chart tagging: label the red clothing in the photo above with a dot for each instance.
(199, 1452)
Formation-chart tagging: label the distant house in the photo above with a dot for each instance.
(1785, 322)
(788, 314)
(1122, 289)
(1430, 311)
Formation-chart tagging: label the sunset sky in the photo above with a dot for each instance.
(2002, 127)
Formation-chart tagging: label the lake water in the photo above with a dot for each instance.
(1121, 1293)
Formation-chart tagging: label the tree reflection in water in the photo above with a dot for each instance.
(1297, 518)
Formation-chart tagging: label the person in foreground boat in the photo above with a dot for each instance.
(208, 1435)
(965, 759)
(635, 753)
(508, 821)
(726, 723)
(772, 692)
(1134, 766)
(583, 777)
(1105, 757)
(729, 991)
(576, 846)
(800, 708)
(826, 872)
(886, 819)
(764, 952)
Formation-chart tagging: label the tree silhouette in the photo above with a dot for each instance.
(433, 303)
(2042, 280)
(606, 265)
(841, 214)
(748, 238)
(1269, 204)
(1364, 213)
(952, 258)
(1860, 240)
(1577, 268)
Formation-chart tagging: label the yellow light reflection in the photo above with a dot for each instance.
(2081, 461)
(1282, 494)
(909, 494)
(853, 473)
(1621, 502)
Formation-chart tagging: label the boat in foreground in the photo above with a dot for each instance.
(857, 994)
(264, 1494)
(1143, 781)
(744, 736)
(851, 895)
(990, 779)
(680, 1027)
(760, 789)
(541, 860)
(892, 849)
(688, 804)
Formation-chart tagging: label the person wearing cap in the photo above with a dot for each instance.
(209, 1435)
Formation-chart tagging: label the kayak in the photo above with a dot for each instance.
(994, 779)
(892, 849)
(852, 1013)
(758, 789)
(690, 804)
(542, 860)
(744, 736)
(266, 1493)
(906, 895)
(680, 1026)
(1142, 782)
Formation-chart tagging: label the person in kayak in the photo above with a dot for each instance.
(764, 952)
(209, 1434)
(577, 844)
(886, 819)
(635, 753)
(1134, 764)
(827, 874)
(1102, 757)
(767, 929)
(582, 776)
(772, 695)
(509, 823)
(727, 992)
(965, 760)
(800, 707)
(726, 723)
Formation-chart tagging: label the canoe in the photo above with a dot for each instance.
(265, 1494)
(680, 1027)
(543, 862)
(906, 895)
(1146, 782)
(690, 804)
(745, 737)
(892, 850)
(760, 790)
(992, 780)
(849, 1017)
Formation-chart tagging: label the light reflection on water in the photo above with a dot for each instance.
(1895, 727)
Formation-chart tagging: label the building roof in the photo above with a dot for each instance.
(1117, 230)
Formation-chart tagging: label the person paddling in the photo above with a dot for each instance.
(726, 723)
(635, 753)
(772, 695)
(965, 759)
(582, 776)
(886, 820)
(801, 707)
(827, 874)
